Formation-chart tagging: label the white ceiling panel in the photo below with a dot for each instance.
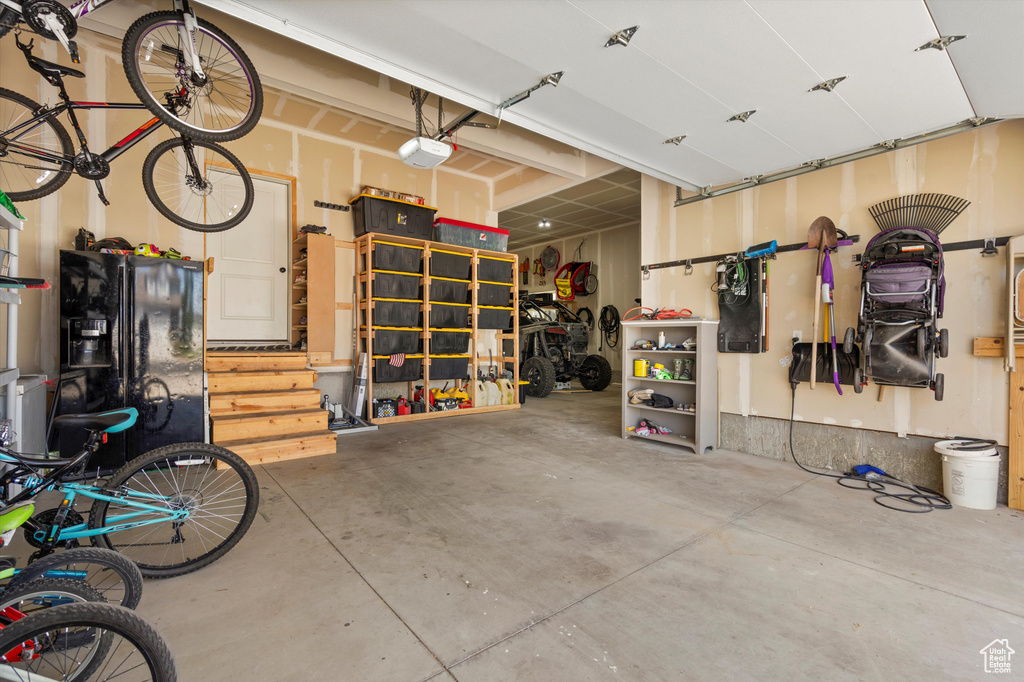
(690, 66)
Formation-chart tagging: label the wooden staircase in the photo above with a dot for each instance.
(264, 407)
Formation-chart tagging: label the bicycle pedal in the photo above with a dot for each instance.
(73, 51)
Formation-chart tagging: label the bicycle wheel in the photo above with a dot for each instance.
(8, 20)
(23, 176)
(224, 106)
(114, 575)
(192, 184)
(215, 485)
(85, 642)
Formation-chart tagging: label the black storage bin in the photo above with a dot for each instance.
(449, 264)
(489, 317)
(384, 371)
(493, 270)
(448, 290)
(396, 313)
(385, 407)
(391, 216)
(388, 256)
(494, 294)
(449, 341)
(395, 285)
(449, 315)
(449, 367)
(392, 341)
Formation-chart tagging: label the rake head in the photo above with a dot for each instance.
(928, 211)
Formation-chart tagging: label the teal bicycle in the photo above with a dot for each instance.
(171, 511)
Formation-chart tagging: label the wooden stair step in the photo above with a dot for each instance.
(254, 362)
(239, 382)
(263, 425)
(251, 402)
(266, 450)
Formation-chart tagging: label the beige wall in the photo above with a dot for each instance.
(326, 167)
(617, 255)
(985, 166)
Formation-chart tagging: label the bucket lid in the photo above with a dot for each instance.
(966, 448)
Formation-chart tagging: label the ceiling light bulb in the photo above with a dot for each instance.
(544, 222)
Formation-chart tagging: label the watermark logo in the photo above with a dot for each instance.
(997, 656)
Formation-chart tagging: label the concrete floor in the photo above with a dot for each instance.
(538, 545)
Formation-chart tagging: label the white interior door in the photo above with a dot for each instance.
(247, 297)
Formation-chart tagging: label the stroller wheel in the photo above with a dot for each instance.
(943, 343)
(858, 381)
(922, 342)
(848, 340)
(938, 385)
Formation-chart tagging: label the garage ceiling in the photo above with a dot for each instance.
(690, 67)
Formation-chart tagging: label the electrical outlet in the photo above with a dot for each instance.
(798, 334)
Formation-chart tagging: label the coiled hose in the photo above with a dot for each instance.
(609, 324)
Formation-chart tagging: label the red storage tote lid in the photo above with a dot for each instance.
(471, 226)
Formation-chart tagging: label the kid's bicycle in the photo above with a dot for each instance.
(188, 72)
(172, 510)
(190, 182)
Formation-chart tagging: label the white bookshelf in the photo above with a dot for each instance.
(10, 228)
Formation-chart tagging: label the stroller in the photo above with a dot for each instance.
(902, 289)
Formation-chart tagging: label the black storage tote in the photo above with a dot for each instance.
(449, 367)
(449, 264)
(397, 257)
(493, 317)
(395, 312)
(385, 372)
(391, 216)
(494, 294)
(449, 315)
(494, 270)
(395, 285)
(449, 341)
(392, 340)
(448, 290)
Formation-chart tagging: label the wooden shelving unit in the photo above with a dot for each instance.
(365, 246)
(10, 228)
(697, 430)
(316, 266)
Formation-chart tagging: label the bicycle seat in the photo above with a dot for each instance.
(112, 421)
(15, 517)
(51, 70)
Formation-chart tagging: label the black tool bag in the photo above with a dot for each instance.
(660, 401)
(800, 369)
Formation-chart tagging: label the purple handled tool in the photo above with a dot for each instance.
(829, 280)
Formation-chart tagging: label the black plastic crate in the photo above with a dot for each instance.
(489, 317)
(391, 216)
(448, 290)
(493, 270)
(442, 368)
(384, 371)
(392, 341)
(449, 314)
(494, 294)
(449, 341)
(396, 313)
(394, 285)
(449, 264)
(388, 256)
(385, 407)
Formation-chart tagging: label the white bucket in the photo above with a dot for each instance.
(970, 478)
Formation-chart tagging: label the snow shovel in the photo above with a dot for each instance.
(828, 279)
(821, 235)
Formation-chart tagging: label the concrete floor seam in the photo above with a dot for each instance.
(361, 576)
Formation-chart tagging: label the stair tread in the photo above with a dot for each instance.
(311, 411)
(283, 440)
(264, 372)
(274, 392)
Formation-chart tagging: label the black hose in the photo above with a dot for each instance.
(586, 317)
(609, 325)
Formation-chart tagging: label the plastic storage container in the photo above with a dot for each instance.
(493, 317)
(494, 294)
(384, 371)
(395, 285)
(395, 312)
(389, 341)
(391, 216)
(970, 476)
(448, 341)
(449, 367)
(388, 256)
(448, 290)
(494, 270)
(475, 236)
(449, 264)
(449, 314)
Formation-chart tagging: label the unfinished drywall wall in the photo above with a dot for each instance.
(985, 166)
(616, 253)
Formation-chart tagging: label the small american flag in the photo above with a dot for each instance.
(397, 360)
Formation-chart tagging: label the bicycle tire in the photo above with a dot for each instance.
(590, 285)
(13, 104)
(114, 575)
(115, 624)
(168, 160)
(159, 25)
(8, 20)
(138, 474)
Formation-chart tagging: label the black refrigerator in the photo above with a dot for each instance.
(131, 335)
